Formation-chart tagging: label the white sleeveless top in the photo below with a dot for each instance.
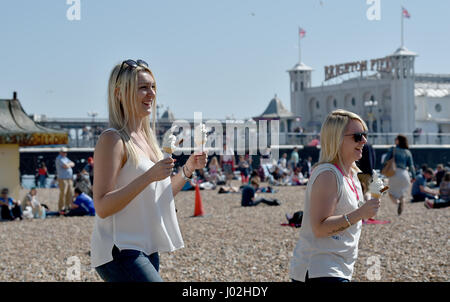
(148, 223)
(332, 256)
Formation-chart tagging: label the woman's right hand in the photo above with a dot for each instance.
(162, 169)
(370, 208)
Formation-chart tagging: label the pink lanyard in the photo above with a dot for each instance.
(354, 190)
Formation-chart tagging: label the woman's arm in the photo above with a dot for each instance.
(410, 164)
(194, 162)
(324, 198)
(108, 157)
(178, 180)
(388, 156)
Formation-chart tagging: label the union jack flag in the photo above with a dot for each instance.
(405, 13)
(301, 32)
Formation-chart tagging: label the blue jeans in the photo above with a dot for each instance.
(77, 212)
(322, 280)
(130, 266)
(422, 196)
(42, 181)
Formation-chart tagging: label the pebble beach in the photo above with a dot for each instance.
(232, 243)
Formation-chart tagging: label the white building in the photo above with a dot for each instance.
(392, 99)
(432, 100)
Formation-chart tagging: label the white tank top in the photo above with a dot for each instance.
(332, 256)
(148, 223)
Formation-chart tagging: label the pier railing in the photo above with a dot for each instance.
(299, 139)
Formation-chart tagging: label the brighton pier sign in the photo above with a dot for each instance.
(380, 65)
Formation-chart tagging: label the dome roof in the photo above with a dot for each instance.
(276, 109)
(301, 67)
(403, 51)
(168, 115)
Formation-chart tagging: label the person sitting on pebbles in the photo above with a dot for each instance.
(83, 205)
(249, 195)
(31, 207)
(11, 209)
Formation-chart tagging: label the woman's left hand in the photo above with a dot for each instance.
(197, 161)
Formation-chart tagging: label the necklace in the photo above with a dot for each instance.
(353, 188)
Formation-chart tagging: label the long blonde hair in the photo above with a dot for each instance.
(214, 162)
(332, 135)
(122, 107)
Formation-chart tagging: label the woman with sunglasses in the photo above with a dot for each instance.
(400, 182)
(133, 190)
(328, 244)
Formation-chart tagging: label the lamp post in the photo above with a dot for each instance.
(158, 108)
(94, 135)
(93, 115)
(370, 104)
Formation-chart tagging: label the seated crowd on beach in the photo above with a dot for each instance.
(76, 198)
(431, 186)
(284, 172)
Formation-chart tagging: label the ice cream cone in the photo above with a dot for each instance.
(375, 195)
(378, 195)
(200, 138)
(167, 152)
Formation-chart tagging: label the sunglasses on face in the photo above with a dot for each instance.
(358, 136)
(131, 63)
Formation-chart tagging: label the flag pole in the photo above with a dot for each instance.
(402, 27)
(299, 48)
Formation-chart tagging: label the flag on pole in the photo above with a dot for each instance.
(405, 13)
(301, 32)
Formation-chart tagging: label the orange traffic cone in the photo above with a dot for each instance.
(198, 211)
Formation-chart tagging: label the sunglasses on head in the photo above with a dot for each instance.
(131, 63)
(358, 136)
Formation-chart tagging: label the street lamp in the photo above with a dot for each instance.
(371, 103)
(92, 114)
(158, 108)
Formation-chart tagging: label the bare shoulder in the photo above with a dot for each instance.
(109, 145)
(325, 183)
(109, 138)
(326, 176)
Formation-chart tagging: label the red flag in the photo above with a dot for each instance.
(405, 13)
(301, 32)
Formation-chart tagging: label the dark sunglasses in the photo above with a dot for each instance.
(358, 136)
(131, 63)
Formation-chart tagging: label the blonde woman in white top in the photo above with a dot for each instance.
(133, 190)
(328, 245)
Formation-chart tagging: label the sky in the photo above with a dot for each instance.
(222, 58)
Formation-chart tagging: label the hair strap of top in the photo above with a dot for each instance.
(110, 129)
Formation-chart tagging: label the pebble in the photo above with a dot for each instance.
(234, 243)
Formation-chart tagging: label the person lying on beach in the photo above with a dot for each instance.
(249, 195)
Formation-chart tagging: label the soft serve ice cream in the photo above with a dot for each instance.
(200, 136)
(169, 143)
(376, 186)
